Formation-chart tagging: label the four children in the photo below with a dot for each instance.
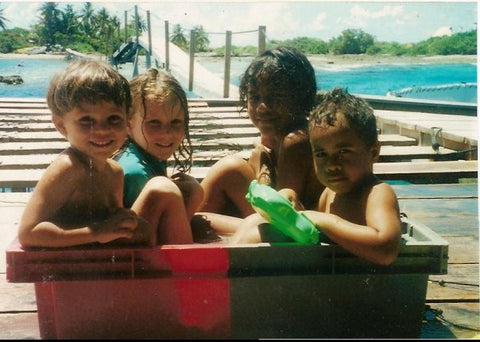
(333, 151)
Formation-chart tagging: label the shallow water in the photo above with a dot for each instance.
(359, 79)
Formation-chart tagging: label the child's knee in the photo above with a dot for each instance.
(161, 186)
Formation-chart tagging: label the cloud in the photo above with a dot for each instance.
(21, 14)
(359, 16)
(443, 31)
(319, 22)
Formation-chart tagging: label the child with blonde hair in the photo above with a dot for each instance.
(158, 130)
(79, 198)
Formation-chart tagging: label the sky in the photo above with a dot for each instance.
(390, 21)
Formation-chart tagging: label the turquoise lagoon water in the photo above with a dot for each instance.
(359, 79)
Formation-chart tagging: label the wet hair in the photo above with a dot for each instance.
(87, 81)
(282, 67)
(357, 112)
(159, 85)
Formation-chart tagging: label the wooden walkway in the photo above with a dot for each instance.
(444, 198)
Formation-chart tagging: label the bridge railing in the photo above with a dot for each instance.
(166, 51)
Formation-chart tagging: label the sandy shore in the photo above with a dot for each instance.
(321, 59)
(384, 59)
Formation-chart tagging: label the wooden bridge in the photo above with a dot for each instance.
(435, 187)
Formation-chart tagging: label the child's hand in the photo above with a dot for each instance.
(292, 196)
(120, 223)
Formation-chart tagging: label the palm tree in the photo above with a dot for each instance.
(201, 39)
(87, 23)
(178, 38)
(69, 21)
(50, 22)
(106, 29)
(3, 26)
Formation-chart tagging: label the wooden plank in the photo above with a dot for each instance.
(456, 321)
(427, 171)
(389, 153)
(24, 178)
(27, 161)
(25, 111)
(21, 296)
(460, 284)
(397, 140)
(19, 325)
(442, 215)
(430, 191)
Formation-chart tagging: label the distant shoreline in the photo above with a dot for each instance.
(315, 59)
(384, 59)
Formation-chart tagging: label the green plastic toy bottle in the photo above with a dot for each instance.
(279, 211)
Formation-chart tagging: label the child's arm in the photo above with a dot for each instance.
(52, 192)
(379, 239)
(191, 190)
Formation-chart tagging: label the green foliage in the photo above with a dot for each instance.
(201, 39)
(392, 49)
(308, 45)
(463, 43)
(178, 38)
(13, 40)
(351, 42)
(97, 31)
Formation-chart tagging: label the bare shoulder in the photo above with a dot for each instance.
(65, 166)
(382, 194)
(297, 138)
(382, 188)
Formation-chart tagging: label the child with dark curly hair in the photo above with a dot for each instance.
(356, 210)
(278, 90)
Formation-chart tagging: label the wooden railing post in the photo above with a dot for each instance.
(228, 52)
(262, 33)
(126, 32)
(149, 53)
(192, 59)
(167, 47)
(135, 63)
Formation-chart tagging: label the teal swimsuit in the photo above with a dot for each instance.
(138, 167)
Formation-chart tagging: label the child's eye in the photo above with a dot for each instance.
(86, 121)
(177, 123)
(155, 123)
(115, 120)
(320, 154)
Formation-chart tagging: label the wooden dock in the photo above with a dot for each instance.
(438, 189)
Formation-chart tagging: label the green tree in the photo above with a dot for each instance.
(178, 38)
(107, 26)
(201, 39)
(308, 45)
(351, 41)
(69, 21)
(3, 25)
(87, 19)
(50, 23)
(12, 40)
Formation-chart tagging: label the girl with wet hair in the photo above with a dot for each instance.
(157, 131)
